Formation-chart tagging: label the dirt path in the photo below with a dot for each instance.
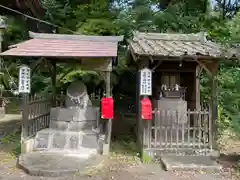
(117, 168)
(114, 167)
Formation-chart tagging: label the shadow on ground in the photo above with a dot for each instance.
(10, 135)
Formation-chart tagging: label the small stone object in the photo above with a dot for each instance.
(59, 141)
(73, 142)
(42, 141)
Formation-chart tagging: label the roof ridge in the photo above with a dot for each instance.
(75, 37)
(201, 36)
(175, 45)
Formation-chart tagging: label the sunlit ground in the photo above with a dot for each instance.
(124, 154)
(9, 150)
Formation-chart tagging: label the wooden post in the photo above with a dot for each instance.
(214, 108)
(53, 77)
(2, 27)
(108, 94)
(197, 88)
(211, 68)
(143, 132)
(25, 100)
(106, 147)
(138, 114)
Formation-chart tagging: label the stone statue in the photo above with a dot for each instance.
(74, 127)
(76, 96)
(79, 112)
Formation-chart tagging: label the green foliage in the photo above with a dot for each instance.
(146, 158)
(13, 139)
(229, 97)
(121, 17)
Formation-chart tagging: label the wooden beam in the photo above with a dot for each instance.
(175, 70)
(180, 58)
(157, 65)
(53, 77)
(204, 67)
(35, 65)
(211, 67)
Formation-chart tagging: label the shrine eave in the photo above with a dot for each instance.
(65, 46)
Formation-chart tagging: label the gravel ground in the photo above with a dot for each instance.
(112, 169)
(118, 167)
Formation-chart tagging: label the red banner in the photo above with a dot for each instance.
(146, 109)
(107, 108)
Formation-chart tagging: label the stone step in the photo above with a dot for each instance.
(56, 164)
(72, 125)
(52, 139)
(190, 163)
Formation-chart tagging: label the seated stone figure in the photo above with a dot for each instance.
(72, 128)
(77, 96)
(78, 114)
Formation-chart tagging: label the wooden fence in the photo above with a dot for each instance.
(36, 115)
(182, 133)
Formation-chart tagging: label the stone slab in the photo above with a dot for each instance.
(89, 141)
(51, 139)
(59, 140)
(58, 125)
(54, 164)
(42, 139)
(74, 114)
(204, 163)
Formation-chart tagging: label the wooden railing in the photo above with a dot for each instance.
(174, 132)
(36, 115)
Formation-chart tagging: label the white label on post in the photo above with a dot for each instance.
(145, 82)
(24, 84)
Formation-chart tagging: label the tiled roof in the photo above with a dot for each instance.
(174, 45)
(63, 46)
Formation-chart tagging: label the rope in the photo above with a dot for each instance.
(36, 19)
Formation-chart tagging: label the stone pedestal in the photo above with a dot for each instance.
(49, 139)
(71, 129)
(74, 119)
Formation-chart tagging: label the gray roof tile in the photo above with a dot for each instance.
(162, 44)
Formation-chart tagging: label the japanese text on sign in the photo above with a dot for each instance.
(24, 84)
(145, 82)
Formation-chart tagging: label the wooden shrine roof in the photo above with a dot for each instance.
(61, 45)
(175, 45)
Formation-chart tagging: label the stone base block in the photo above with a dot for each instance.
(72, 125)
(56, 164)
(74, 114)
(65, 140)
